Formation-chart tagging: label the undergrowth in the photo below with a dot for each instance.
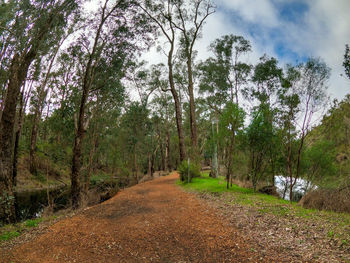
(11, 231)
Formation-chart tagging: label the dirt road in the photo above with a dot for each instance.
(151, 222)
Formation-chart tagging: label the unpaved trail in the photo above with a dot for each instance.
(151, 222)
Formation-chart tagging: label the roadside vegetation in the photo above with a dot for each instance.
(272, 220)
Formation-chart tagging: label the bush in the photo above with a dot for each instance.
(337, 200)
(193, 171)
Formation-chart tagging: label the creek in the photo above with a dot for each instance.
(31, 204)
(301, 187)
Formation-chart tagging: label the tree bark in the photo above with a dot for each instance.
(193, 123)
(18, 72)
(167, 152)
(178, 112)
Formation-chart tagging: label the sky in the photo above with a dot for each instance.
(290, 30)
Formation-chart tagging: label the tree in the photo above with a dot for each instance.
(346, 62)
(303, 94)
(260, 135)
(161, 14)
(39, 100)
(267, 79)
(231, 121)
(228, 50)
(189, 20)
(115, 31)
(222, 77)
(44, 19)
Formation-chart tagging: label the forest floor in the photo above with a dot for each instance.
(155, 221)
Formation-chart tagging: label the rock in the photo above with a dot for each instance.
(269, 189)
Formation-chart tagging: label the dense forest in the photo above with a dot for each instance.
(79, 105)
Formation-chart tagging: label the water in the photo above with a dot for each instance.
(31, 204)
(300, 189)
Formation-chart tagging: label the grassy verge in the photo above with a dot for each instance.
(335, 225)
(12, 231)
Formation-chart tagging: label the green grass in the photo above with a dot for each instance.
(33, 222)
(214, 185)
(11, 231)
(336, 224)
(7, 235)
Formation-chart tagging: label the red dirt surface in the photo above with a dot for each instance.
(154, 221)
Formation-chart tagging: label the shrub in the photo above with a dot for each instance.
(193, 171)
(337, 200)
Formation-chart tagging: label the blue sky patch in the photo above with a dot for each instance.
(293, 11)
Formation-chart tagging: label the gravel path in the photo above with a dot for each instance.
(151, 222)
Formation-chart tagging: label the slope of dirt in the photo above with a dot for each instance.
(151, 222)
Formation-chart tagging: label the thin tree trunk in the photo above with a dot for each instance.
(42, 93)
(149, 170)
(230, 157)
(167, 152)
(178, 113)
(193, 123)
(91, 159)
(33, 139)
(162, 156)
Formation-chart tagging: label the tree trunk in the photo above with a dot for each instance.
(149, 170)
(167, 152)
(193, 123)
(77, 150)
(91, 159)
(18, 72)
(17, 137)
(214, 163)
(33, 140)
(162, 156)
(82, 124)
(230, 157)
(178, 112)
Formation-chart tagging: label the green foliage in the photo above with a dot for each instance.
(188, 172)
(6, 202)
(261, 142)
(231, 119)
(33, 222)
(9, 235)
(319, 162)
(100, 178)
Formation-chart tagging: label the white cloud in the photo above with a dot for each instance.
(321, 31)
(255, 11)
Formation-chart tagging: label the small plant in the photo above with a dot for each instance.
(33, 222)
(9, 235)
(330, 234)
(187, 172)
